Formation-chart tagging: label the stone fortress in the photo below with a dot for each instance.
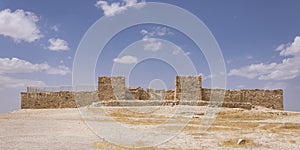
(113, 92)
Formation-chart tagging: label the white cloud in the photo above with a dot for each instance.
(288, 68)
(178, 50)
(55, 28)
(280, 47)
(9, 82)
(205, 77)
(16, 65)
(157, 31)
(292, 49)
(249, 57)
(144, 32)
(187, 53)
(58, 44)
(19, 25)
(61, 70)
(162, 31)
(117, 7)
(126, 60)
(152, 44)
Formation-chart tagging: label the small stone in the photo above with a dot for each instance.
(241, 141)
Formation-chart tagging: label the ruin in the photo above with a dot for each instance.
(113, 92)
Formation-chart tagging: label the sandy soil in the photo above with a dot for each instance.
(179, 127)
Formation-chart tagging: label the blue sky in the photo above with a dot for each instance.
(260, 42)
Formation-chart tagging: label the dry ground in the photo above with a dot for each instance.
(260, 128)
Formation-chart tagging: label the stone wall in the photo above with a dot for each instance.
(63, 99)
(188, 88)
(111, 88)
(41, 100)
(267, 98)
(138, 94)
(169, 95)
(258, 97)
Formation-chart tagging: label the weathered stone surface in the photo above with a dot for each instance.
(139, 93)
(188, 88)
(47, 100)
(111, 88)
(258, 97)
(188, 91)
(169, 95)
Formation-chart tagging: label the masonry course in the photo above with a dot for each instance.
(188, 91)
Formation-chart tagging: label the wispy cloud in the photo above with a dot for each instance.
(128, 59)
(10, 82)
(157, 31)
(178, 50)
(249, 57)
(288, 68)
(55, 28)
(19, 25)
(58, 44)
(204, 77)
(117, 7)
(60, 70)
(151, 43)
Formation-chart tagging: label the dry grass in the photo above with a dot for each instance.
(242, 115)
(282, 128)
(199, 135)
(127, 116)
(292, 141)
(235, 125)
(290, 126)
(269, 126)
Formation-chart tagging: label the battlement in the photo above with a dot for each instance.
(112, 91)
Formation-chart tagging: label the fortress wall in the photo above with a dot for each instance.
(188, 88)
(139, 94)
(266, 98)
(40, 100)
(169, 95)
(233, 96)
(111, 88)
(156, 94)
(63, 99)
(84, 98)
